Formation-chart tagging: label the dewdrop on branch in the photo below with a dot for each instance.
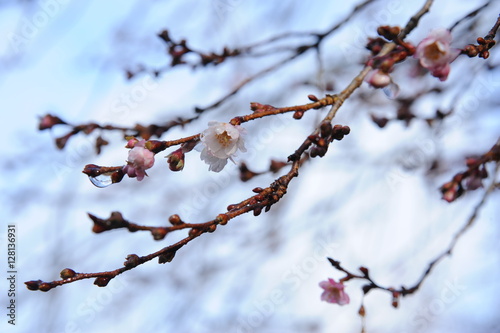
(103, 176)
(220, 142)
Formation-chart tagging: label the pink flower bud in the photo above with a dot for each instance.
(139, 160)
(378, 79)
(131, 142)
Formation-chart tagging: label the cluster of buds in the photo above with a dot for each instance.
(262, 200)
(327, 134)
(115, 221)
(481, 50)
(177, 50)
(383, 65)
(39, 285)
(65, 274)
(473, 178)
(246, 174)
(48, 121)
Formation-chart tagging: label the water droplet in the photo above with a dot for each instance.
(103, 180)
(391, 91)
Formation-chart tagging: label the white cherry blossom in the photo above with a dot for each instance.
(221, 141)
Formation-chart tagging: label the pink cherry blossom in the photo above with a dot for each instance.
(334, 292)
(435, 53)
(221, 141)
(139, 160)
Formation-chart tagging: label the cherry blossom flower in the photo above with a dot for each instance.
(221, 141)
(139, 160)
(334, 292)
(435, 53)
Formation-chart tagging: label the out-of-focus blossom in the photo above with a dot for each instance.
(476, 175)
(435, 53)
(48, 121)
(451, 191)
(139, 160)
(334, 292)
(221, 141)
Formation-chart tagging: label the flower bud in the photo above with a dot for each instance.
(67, 273)
(166, 257)
(132, 260)
(44, 286)
(102, 281)
(386, 65)
(222, 219)
(154, 146)
(312, 98)
(159, 233)
(33, 285)
(48, 121)
(326, 129)
(378, 79)
(176, 160)
(298, 114)
(231, 207)
(139, 160)
(131, 141)
(175, 220)
(194, 232)
(257, 190)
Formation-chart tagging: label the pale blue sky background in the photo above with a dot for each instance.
(365, 203)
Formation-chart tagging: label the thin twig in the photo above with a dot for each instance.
(403, 291)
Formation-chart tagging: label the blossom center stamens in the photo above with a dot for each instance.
(224, 139)
(434, 51)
